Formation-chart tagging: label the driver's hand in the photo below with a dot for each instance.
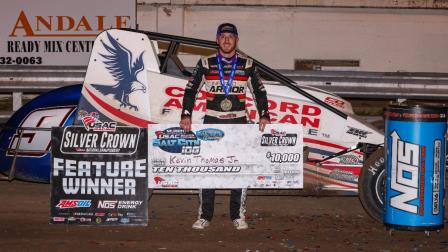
(262, 123)
(185, 123)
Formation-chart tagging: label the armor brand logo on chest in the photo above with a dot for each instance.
(219, 89)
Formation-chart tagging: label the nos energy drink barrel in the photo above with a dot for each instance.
(415, 139)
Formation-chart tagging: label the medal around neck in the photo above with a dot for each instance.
(226, 86)
(226, 105)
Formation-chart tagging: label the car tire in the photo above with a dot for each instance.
(371, 184)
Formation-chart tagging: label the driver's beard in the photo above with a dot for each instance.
(228, 51)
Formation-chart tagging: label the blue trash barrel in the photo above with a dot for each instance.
(415, 138)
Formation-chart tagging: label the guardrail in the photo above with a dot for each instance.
(17, 80)
(376, 85)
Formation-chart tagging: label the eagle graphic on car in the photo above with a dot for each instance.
(121, 65)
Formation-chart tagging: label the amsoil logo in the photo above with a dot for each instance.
(405, 168)
(64, 204)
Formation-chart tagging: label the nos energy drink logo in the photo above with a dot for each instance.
(176, 140)
(405, 169)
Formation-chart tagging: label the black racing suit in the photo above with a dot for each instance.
(246, 77)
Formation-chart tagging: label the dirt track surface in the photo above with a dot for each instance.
(277, 223)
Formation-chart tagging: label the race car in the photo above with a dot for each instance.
(137, 78)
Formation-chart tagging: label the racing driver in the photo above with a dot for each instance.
(225, 76)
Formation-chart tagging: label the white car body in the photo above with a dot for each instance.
(325, 132)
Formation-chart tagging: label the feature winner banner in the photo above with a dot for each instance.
(225, 156)
(58, 32)
(99, 175)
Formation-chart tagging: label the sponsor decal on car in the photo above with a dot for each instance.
(343, 175)
(350, 159)
(335, 102)
(358, 132)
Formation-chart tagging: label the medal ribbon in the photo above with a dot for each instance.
(226, 86)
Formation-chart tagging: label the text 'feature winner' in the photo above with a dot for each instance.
(99, 175)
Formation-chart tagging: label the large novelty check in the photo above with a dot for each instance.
(225, 156)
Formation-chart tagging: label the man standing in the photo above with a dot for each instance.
(226, 77)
